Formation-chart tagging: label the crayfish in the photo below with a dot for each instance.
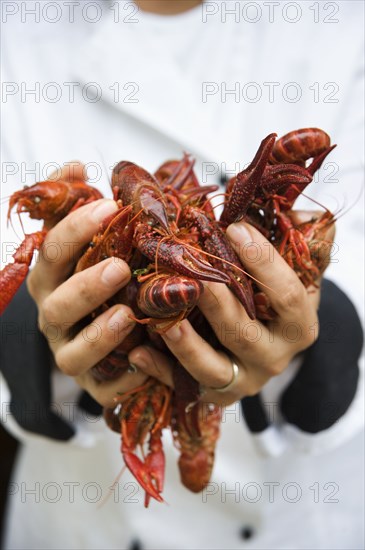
(166, 230)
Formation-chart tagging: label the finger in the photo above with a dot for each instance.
(82, 293)
(74, 170)
(248, 340)
(211, 368)
(229, 320)
(109, 393)
(273, 275)
(153, 363)
(314, 294)
(94, 342)
(205, 364)
(64, 243)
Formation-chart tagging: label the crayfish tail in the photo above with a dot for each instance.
(197, 452)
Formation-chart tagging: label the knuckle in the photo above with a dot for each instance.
(49, 310)
(221, 379)
(310, 336)
(64, 363)
(276, 368)
(308, 340)
(252, 389)
(31, 286)
(104, 400)
(73, 222)
(293, 296)
(211, 299)
(83, 288)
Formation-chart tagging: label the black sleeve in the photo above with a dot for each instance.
(326, 383)
(25, 361)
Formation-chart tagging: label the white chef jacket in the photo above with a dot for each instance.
(102, 82)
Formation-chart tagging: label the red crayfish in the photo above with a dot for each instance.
(47, 201)
(166, 230)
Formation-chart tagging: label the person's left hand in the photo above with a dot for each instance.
(261, 351)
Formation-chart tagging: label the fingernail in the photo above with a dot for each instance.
(114, 272)
(174, 334)
(239, 232)
(118, 322)
(101, 211)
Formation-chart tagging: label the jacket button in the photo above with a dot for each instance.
(246, 532)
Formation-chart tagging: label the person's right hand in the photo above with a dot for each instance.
(63, 300)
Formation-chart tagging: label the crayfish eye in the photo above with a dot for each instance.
(37, 200)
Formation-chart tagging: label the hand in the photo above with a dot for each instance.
(63, 300)
(260, 351)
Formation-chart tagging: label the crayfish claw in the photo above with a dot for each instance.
(142, 474)
(242, 188)
(176, 256)
(13, 275)
(318, 160)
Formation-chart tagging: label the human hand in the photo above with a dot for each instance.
(261, 351)
(64, 300)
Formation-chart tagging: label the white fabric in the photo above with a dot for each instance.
(165, 61)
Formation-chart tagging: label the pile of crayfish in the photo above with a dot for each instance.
(166, 230)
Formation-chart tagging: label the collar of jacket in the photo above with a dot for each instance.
(144, 81)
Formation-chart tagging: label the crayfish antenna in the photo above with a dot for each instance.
(103, 162)
(112, 488)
